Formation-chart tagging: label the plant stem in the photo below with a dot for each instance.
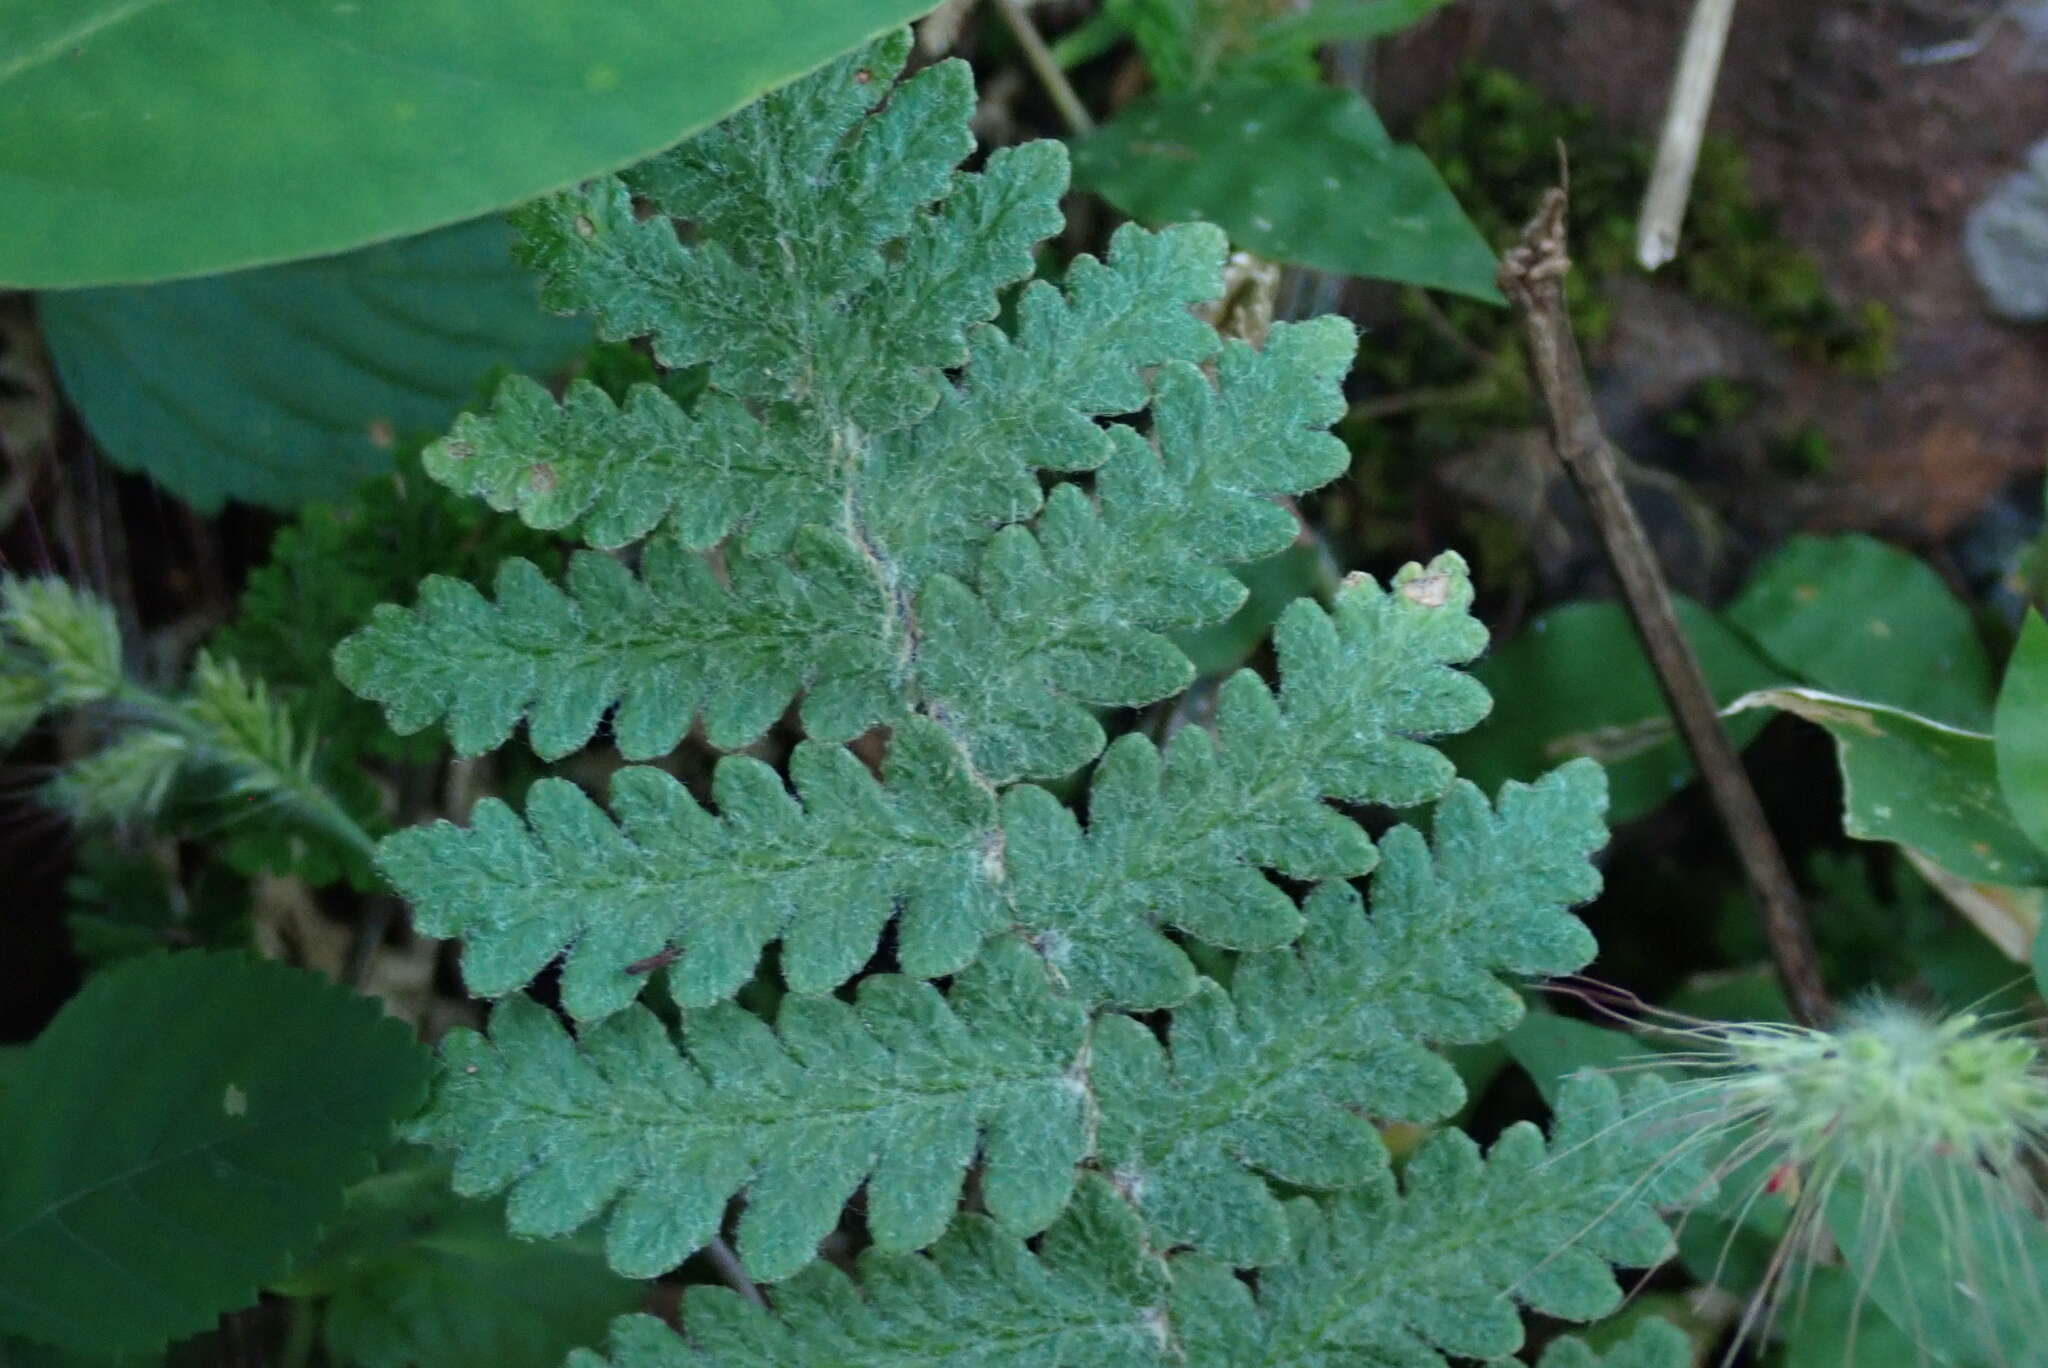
(1685, 123)
(302, 1331)
(1532, 277)
(729, 1268)
(1057, 87)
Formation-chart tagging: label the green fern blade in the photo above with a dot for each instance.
(663, 648)
(1092, 1298)
(1075, 616)
(620, 469)
(934, 494)
(1654, 1344)
(1277, 1076)
(1178, 840)
(1431, 1269)
(899, 1092)
(823, 874)
(1385, 1277)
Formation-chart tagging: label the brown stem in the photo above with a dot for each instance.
(1045, 67)
(735, 1274)
(1532, 277)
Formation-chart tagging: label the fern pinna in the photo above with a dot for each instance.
(1085, 1072)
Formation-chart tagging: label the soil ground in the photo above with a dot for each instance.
(1872, 161)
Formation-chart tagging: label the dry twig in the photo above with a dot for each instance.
(1685, 124)
(1532, 277)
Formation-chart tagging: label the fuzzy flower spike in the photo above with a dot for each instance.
(1912, 1146)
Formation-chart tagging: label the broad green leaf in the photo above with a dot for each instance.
(1575, 682)
(177, 1135)
(292, 383)
(2009, 917)
(1978, 1295)
(1917, 783)
(415, 1277)
(1835, 1323)
(1325, 21)
(146, 140)
(1301, 174)
(1856, 617)
(2020, 734)
(901, 1089)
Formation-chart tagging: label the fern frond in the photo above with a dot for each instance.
(662, 647)
(833, 289)
(1092, 1297)
(900, 1090)
(329, 568)
(871, 512)
(1177, 840)
(1439, 1267)
(1412, 1273)
(822, 871)
(1279, 1076)
(1274, 1078)
(1654, 1344)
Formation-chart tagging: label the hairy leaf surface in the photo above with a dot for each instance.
(1278, 1076)
(899, 1091)
(1177, 839)
(1413, 1273)
(870, 450)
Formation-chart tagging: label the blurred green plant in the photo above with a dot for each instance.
(1241, 131)
(220, 757)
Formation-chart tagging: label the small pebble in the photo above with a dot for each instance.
(2006, 242)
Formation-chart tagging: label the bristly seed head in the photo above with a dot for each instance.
(1937, 1123)
(1889, 1085)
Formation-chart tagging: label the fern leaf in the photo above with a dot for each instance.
(900, 1091)
(620, 468)
(1435, 1267)
(661, 647)
(1177, 840)
(824, 873)
(1278, 1076)
(838, 268)
(1093, 1297)
(1654, 1344)
(787, 294)
(1272, 1079)
(1384, 1276)
(934, 494)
